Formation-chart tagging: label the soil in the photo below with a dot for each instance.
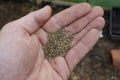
(96, 65)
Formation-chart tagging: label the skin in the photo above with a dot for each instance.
(21, 41)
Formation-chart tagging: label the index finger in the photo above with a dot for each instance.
(67, 16)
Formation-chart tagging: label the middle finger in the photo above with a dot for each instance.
(84, 21)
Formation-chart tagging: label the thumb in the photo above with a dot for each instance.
(32, 21)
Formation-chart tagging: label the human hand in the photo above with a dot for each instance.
(21, 41)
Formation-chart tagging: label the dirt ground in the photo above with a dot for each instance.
(97, 65)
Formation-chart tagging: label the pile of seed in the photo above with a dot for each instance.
(59, 43)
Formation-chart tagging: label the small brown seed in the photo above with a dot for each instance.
(59, 43)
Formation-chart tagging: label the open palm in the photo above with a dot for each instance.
(21, 41)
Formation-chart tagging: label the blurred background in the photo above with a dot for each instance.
(103, 3)
(98, 64)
